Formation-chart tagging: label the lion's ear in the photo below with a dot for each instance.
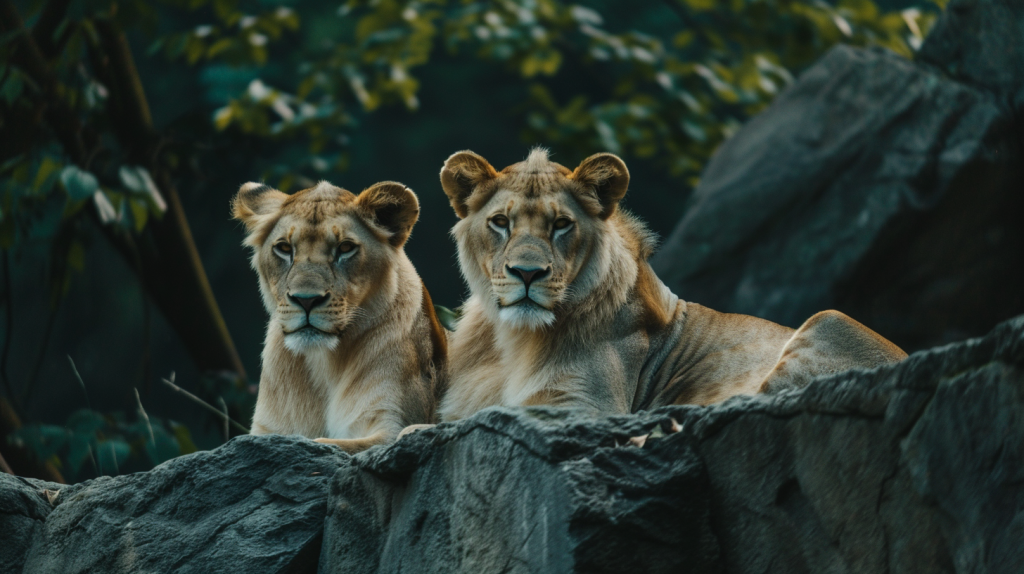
(460, 176)
(607, 176)
(391, 206)
(254, 203)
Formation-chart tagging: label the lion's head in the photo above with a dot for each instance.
(534, 238)
(325, 256)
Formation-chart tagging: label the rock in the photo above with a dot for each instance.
(24, 506)
(256, 504)
(981, 42)
(918, 467)
(873, 185)
(534, 490)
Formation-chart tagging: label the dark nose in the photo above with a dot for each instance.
(529, 274)
(308, 302)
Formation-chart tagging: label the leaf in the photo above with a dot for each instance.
(44, 177)
(112, 454)
(184, 438)
(164, 448)
(140, 212)
(137, 179)
(449, 319)
(43, 440)
(104, 208)
(79, 184)
(11, 89)
(80, 449)
(85, 421)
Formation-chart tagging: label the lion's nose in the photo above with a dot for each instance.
(306, 301)
(529, 274)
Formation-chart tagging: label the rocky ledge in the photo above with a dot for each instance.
(914, 468)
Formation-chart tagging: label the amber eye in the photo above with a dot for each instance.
(563, 223)
(500, 221)
(346, 247)
(283, 249)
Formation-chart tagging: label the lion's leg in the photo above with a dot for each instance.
(413, 428)
(354, 445)
(829, 342)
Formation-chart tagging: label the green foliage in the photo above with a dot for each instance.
(449, 318)
(673, 95)
(292, 83)
(674, 99)
(92, 443)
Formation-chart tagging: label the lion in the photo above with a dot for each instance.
(354, 351)
(564, 309)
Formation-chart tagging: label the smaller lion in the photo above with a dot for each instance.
(564, 309)
(354, 351)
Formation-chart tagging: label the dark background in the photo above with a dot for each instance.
(120, 341)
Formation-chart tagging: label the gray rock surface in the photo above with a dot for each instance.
(917, 467)
(981, 42)
(875, 185)
(913, 468)
(256, 504)
(24, 506)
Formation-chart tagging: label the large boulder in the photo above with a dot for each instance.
(24, 505)
(875, 185)
(981, 42)
(256, 504)
(915, 467)
(918, 467)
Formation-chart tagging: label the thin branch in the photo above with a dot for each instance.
(4, 466)
(204, 404)
(145, 417)
(227, 430)
(80, 382)
(133, 120)
(187, 301)
(113, 457)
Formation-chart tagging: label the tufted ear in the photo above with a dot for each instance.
(255, 203)
(391, 206)
(460, 176)
(607, 176)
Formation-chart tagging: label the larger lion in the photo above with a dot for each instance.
(565, 310)
(354, 351)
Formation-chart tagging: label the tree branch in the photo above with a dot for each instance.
(179, 285)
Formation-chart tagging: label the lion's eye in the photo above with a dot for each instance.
(346, 247)
(561, 225)
(500, 221)
(283, 249)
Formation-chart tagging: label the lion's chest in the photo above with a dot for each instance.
(347, 405)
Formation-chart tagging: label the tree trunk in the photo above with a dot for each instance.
(168, 262)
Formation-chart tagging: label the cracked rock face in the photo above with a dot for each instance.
(882, 187)
(254, 505)
(913, 468)
(917, 467)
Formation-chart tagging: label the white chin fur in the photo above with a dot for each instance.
(526, 316)
(308, 340)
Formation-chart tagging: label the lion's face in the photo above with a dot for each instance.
(529, 234)
(323, 255)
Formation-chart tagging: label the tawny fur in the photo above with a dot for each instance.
(375, 360)
(600, 331)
